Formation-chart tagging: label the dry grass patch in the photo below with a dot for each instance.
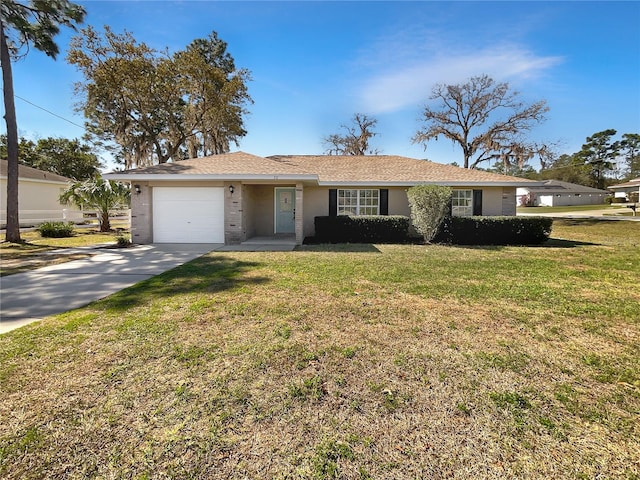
(396, 362)
(35, 252)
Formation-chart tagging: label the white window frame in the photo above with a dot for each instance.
(357, 202)
(462, 203)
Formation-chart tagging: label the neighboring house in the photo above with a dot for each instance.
(624, 190)
(554, 193)
(38, 193)
(232, 197)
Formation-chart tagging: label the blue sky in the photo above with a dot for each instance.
(315, 64)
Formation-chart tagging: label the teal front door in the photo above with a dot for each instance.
(285, 210)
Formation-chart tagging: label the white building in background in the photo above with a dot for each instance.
(554, 193)
(38, 193)
(624, 190)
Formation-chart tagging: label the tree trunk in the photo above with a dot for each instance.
(105, 224)
(13, 223)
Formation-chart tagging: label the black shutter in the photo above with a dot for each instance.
(477, 202)
(333, 202)
(384, 201)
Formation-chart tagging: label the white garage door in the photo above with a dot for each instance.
(188, 215)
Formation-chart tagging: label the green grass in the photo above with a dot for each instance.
(381, 361)
(575, 208)
(21, 257)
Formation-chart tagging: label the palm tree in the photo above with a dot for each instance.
(99, 194)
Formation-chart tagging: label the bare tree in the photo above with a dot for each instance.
(486, 119)
(356, 139)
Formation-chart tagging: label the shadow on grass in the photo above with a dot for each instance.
(339, 247)
(208, 274)
(561, 243)
(551, 243)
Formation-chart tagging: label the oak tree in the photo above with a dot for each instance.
(355, 140)
(22, 24)
(70, 158)
(484, 118)
(155, 106)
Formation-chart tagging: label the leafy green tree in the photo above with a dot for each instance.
(69, 158)
(155, 107)
(567, 168)
(22, 24)
(599, 154)
(630, 149)
(356, 139)
(481, 116)
(102, 195)
(429, 207)
(526, 171)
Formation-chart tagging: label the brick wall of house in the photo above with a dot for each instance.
(141, 214)
(233, 231)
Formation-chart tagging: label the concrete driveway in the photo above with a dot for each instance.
(30, 296)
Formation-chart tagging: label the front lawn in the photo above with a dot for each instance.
(574, 208)
(35, 251)
(385, 361)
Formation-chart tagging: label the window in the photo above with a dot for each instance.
(358, 202)
(462, 203)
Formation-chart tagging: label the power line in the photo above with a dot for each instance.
(49, 112)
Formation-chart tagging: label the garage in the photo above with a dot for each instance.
(188, 215)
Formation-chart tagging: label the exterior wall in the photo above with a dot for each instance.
(568, 199)
(316, 204)
(399, 202)
(508, 202)
(299, 214)
(263, 210)
(233, 206)
(141, 214)
(248, 212)
(38, 202)
(564, 199)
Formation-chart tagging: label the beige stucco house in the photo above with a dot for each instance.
(233, 197)
(38, 193)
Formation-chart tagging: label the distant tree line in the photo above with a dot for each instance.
(73, 159)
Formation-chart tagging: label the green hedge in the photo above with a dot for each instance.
(56, 229)
(362, 229)
(495, 230)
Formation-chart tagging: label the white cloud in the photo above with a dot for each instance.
(410, 84)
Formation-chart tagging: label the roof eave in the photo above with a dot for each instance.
(465, 183)
(236, 177)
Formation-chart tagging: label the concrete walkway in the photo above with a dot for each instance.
(30, 296)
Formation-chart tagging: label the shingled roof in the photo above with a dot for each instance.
(558, 186)
(323, 169)
(29, 173)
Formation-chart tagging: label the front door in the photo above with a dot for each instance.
(285, 210)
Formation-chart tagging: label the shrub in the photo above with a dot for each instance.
(362, 229)
(56, 229)
(528, 200)
(495, 230)
(429, 207)
(619, 200)
(123, 241)
(634, 197)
